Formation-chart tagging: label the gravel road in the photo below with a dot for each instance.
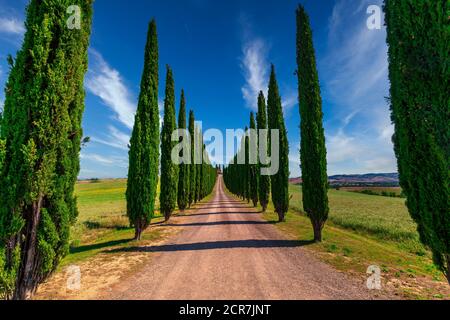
(226, 251)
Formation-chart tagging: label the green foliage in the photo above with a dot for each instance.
(198, 167)
(183, 177)
(312, 148)
(264, 180)
(169, 170)
(253, 170)
(418, 35)
(246, 167)
(192, 166)
(280, 180)
(235, 175)
(41, 135)
(144, 144)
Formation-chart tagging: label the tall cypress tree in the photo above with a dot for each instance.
(264, 180)
(192, 167)
(198, 167)
(312, 149)
(183, 177)
(253, 168)
(418, 35)
(144, 143)
(41, 135)
(280, 180)
(246, 167)
(169, 170)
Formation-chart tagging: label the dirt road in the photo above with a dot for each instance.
(226, 251)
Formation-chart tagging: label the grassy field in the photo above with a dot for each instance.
(365, 230)
(383, 217)
(376, 190)
(102, 220)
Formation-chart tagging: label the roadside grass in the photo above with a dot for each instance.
(368, 230)
(385, 218)
(102, 221)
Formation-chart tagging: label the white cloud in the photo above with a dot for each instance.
(107, 83)
(116, 139)
(12, 26)
(355, 80)
(114, 161)
(289, 100)
(255, 68)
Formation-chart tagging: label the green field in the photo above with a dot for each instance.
(102, 220)
(384, 217)
(365, 230)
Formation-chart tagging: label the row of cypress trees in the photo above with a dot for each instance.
(245, 180)
(240, 179)
(180, 184)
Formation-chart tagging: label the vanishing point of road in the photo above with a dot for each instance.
(227, 251)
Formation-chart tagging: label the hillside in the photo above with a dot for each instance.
(368, 179)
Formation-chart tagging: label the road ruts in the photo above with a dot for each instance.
(226, 251)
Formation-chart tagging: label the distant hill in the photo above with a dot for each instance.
(368, 179)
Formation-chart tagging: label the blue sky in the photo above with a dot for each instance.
(220, 52)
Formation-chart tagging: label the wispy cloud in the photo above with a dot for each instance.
(116, 139)
(12, 26)
(107, 83)
(355, 81)
(114, 161)
(255, 69)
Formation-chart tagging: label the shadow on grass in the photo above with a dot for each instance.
(93, 225)
(246, 244)
(97, 246)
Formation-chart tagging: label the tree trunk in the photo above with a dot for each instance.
(281, 216)
(317, 227)
(264, 207)
(29, 271)
(447, 256)
(138, 231)
(166, 216)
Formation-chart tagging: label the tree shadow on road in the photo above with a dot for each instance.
(219, 213)
(248, 244)
(216, 223)
(223, 207)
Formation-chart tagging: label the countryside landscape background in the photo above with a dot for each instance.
(93, 206)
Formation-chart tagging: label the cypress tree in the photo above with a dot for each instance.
(144, 143)
(169, 171)
(280, 180)
(264, 180)
(198, 167)
(183, 177)
(246, 167)
(418, 36)
(192, 167)
(40, 141)
(312, 148)
(253, 168)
